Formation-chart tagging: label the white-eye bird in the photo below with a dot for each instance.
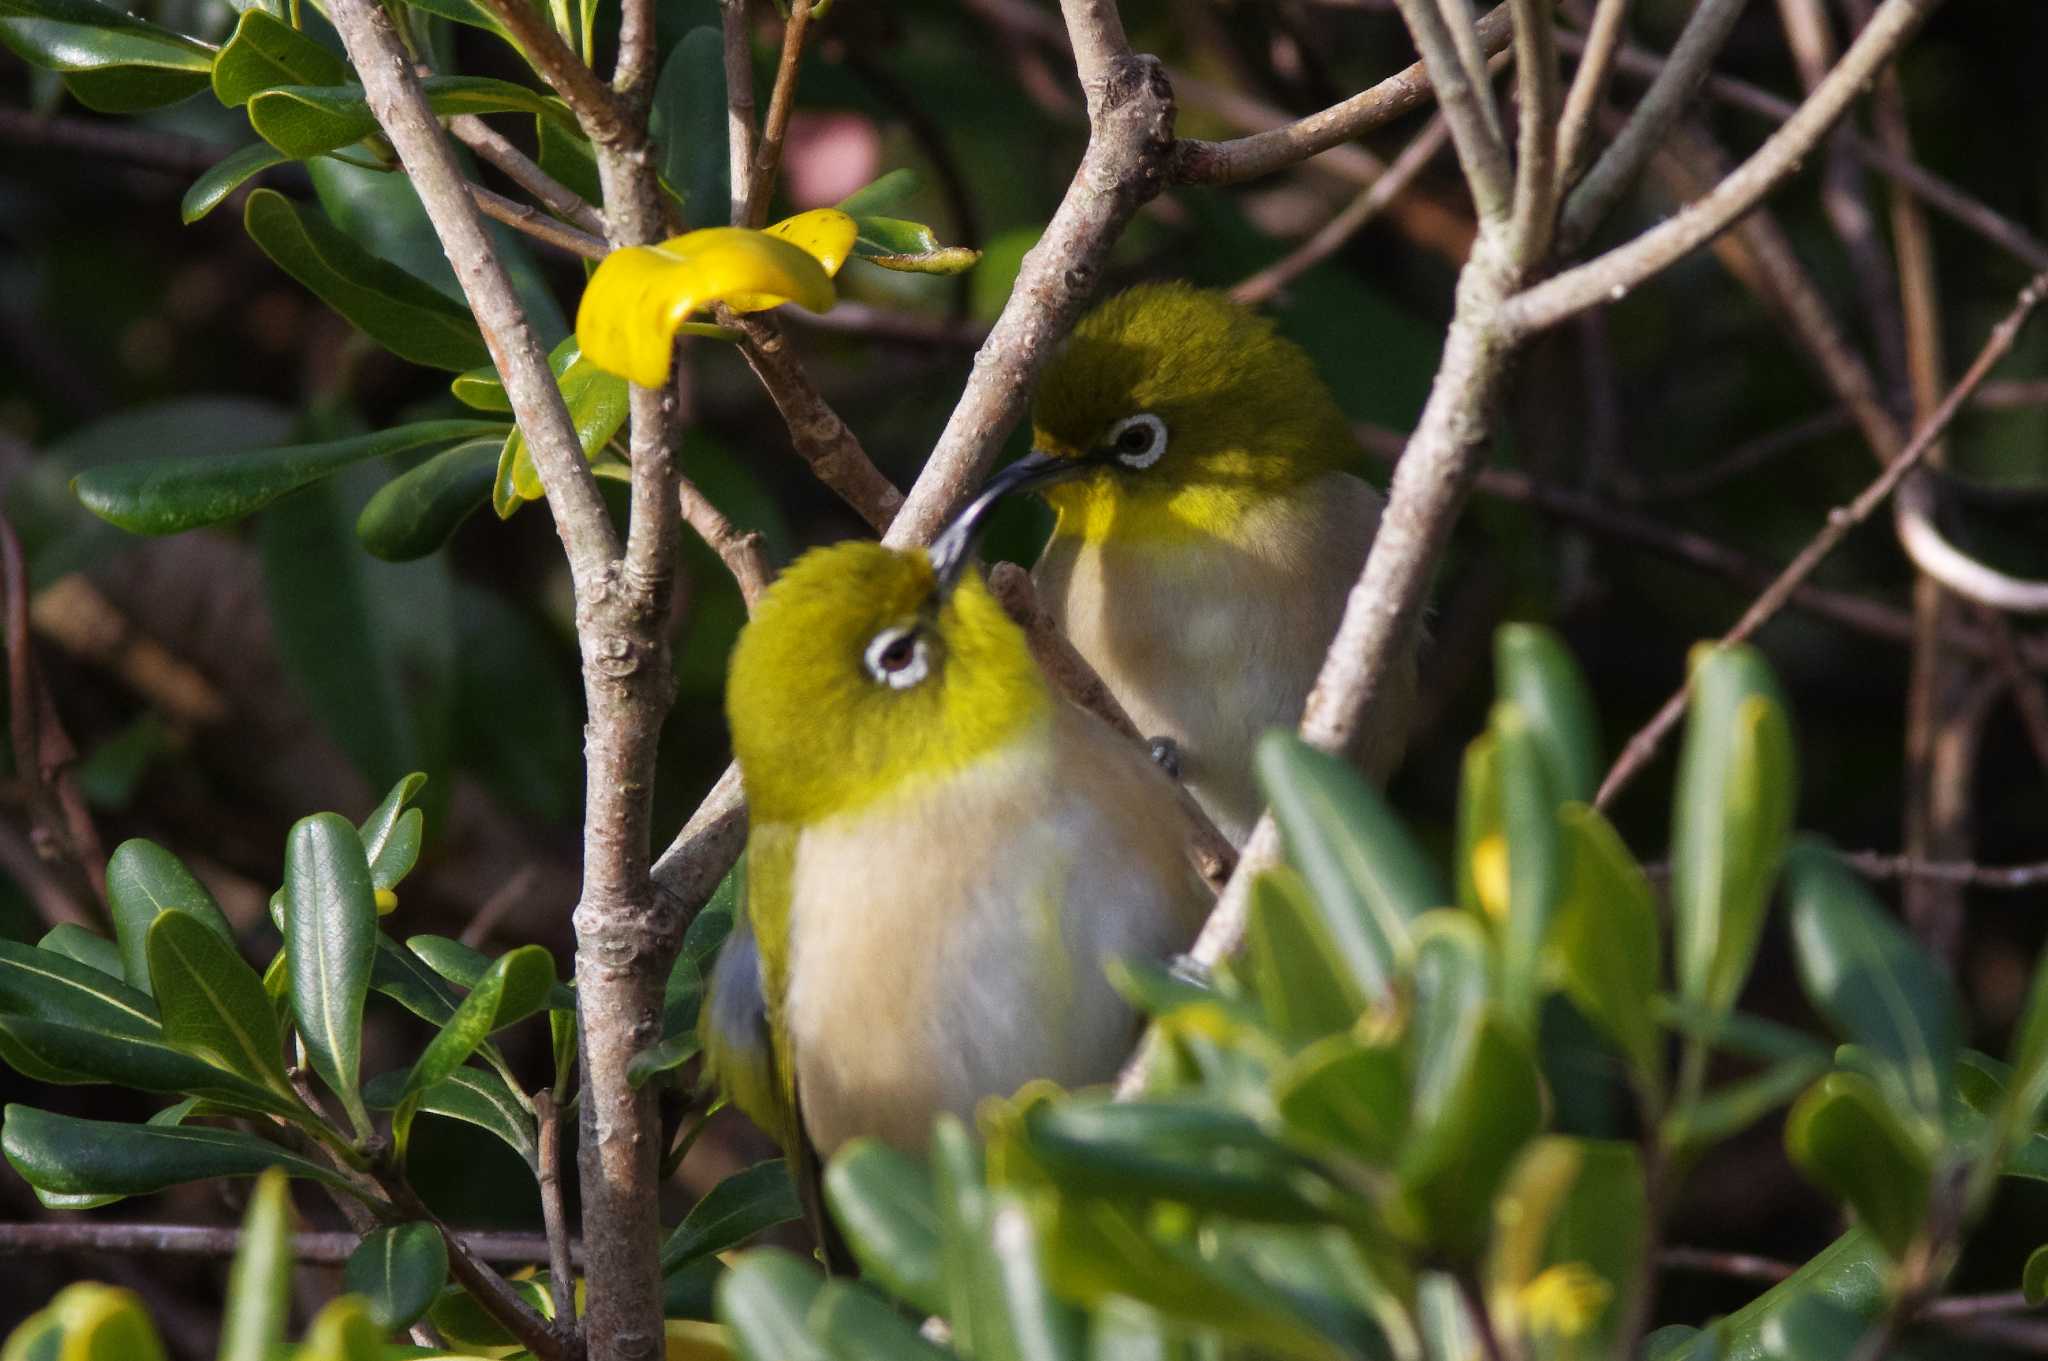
(943, 854)
(1209, 530)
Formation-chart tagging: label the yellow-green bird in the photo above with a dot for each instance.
(1209, 530)
(943, 854)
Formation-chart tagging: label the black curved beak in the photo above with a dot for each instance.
(953, 549)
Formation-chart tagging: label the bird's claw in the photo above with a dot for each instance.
(1165, 754)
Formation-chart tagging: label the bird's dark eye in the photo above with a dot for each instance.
(897, 658)
(1138, 441)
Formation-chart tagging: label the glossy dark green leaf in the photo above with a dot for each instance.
(50, 1051)
(304, 121)
(567, 155)
(107, 1157)
(1344, 1098)
(664, 1056)
(473, 1096)
(1289, 962)
(1813, 1328)
(597, 407)
(418, 511)
(1536, 865)
(54, 987)
(1730, 821)
(410, 318)
(682, 997)
(464, 1323)
(388, 844)
(168, 496)
(1607, 945)
(1867, 976)
(1369, 879)
(464, 967)
(516, 982)
(2034, 1278)
(1533, 668)
(171, 1115)
(259, 1299)
(213, 1003)
(765, 1301)
(331, 938)
(144, 879)
(882, 1201)
(86, 36)
(226, 175)
(266, 52)
(132, 89)
(885, 194)
(910, 247)
(1844, 1135)
(404, 977)
(467, 12)
(76, 943)
(688, 123)
(399, 1269)
(733, 1211)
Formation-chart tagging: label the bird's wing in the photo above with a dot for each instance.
(746, 1049)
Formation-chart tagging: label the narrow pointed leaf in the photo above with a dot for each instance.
(472, 1095)
(1607, 945)
(465, 967)
(213, 1003)
(1367, 876)
(416, 512)
(107, 1157)
(331, 936)
(407, 316)
(882, 1201)
(260, 1281)
(886, 193)
(226, 175)
(51, 987)
(1291, 964)
(518, 981)
(378, 829)
(1536, 672)
(731, 1212)
(76, 1054)
(399, 1269)
(169, 496)
(144, 879)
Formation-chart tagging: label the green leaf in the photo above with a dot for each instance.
(87, 1321)
(144, 879)
(1000, 1303)
(463, 12)
(1730, 821)
(597, 407)
(663, 1057)
(404, 977)
(168, 496)
(81, 946)
(418, 511)
(1290, 962)
(688, 123)
(410, 318)
(383, 834)
(1535, 861)
(764, 1300)
(857, 1326)
(331, 937)
(885, 194)
(516, 984)
(399, 1269)
(84, 35)
(53, 987)
(910, 247)
(106, 1157)
(464, 1323)
(259, 1297)
(1844, 1135)
(50, 1051)
(1727, 1111)
(266, 52)
(345, 1330)
(1481, 840)
(2034, 1278)
(1607, 945)
(1369, 879)
(482, 389)
(882, 1201)
(1868, 977)
(1341, 1098)
(567, 155)
(304, 121)
(733, 1211)
(213, 1003)
(1536, 672)
(131, 88)
(473, 1096)
(226, 175)
(1812, 1328)
(464, 967)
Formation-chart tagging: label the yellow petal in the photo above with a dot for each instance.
(825, 234)
(639, 297)
(1490, 874)
(1565, 1300)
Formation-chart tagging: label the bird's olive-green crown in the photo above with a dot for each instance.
(1193, 409)
(859, 677)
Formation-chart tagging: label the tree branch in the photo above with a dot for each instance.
(596, 108)
(494, 147)
(191, 1240)
(1535, 209)
(739, 105)
(1467, 102)
(1589, 82)
(524, 217)
(741, 552)
(1621, 269)
(781, 102)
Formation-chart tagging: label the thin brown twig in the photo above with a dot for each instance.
(1536, 84)
(781, 102)
(1589, 83)
(739, 104)
(491, 1290)
(1742, 1266)
(1331, 236)
(327, 1247)
(1840, 521)
(1447, 41)
(1213, 856)
(525, 218)
(740, 551)
(558, 198)
(1963, 873)
(592, 101)
(561, 1271)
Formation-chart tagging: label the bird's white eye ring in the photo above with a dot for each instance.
(1138, 441)
(897, 658)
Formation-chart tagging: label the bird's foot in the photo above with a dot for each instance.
(1166, 755)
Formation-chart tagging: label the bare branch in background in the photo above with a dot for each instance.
(1589, 83)
(494, 147)
(1463, 93)
(190, 1240)
(525, 218)
(781, 103)
(741, 551)
(1536, 192)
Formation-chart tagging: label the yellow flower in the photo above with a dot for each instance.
(639, 297)
(1565, 1300)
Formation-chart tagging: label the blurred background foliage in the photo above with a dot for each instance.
(218, 684)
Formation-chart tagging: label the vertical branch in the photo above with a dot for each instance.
(1535, 211)
(781, 101)
(739, 105)
(1589, 82)
(1467, 103)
